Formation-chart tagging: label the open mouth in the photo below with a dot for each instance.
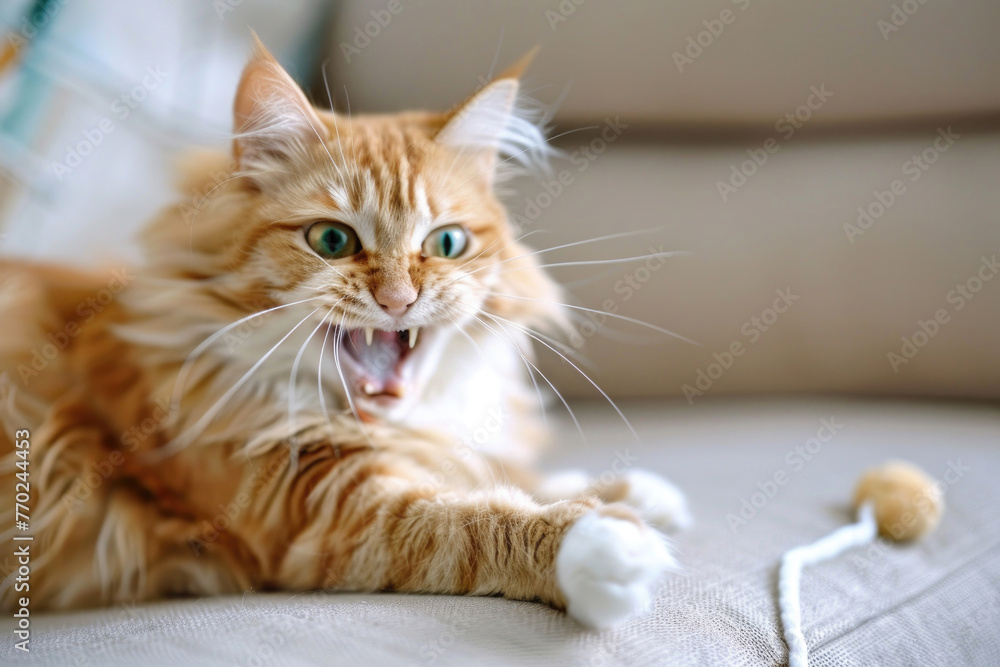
(381, 365)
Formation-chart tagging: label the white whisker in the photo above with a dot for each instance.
(199, 426)
(444, 179)
(504, 247)
(553, 341)
(340, 371)
(496, 56)
(522, 152)
(590, 279)
(233, 178)
(336, 129)
(601, 312)
(465, 333)
(578, 370)
(205, 344)
(350, 119)
(292, 381)
(596, 239)
(618, 260)
(531, 374)
(542, 375)
(319, 376)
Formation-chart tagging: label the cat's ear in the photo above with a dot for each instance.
(271, 115)
(490, 124)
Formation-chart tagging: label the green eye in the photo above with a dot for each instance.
(333, 240)
(448, 242)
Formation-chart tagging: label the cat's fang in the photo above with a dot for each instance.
(370, 334)
(413, 336)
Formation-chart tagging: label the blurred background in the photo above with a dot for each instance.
(833, 169)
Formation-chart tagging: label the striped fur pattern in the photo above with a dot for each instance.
(195, 425)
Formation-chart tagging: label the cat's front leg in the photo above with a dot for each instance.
(599, 562)
(608, 565)
(656, 500)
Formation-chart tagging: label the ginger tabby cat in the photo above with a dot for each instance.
(276, 398)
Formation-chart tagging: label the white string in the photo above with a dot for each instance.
(790, 576)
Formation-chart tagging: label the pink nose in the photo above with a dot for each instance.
(395, 299)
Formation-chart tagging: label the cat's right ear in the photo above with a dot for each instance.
(271, 116)
(490, 124)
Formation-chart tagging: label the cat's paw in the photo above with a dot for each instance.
(563, 485)
(608, 565)
(657, 501)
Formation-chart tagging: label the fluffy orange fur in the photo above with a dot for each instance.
(173, 451)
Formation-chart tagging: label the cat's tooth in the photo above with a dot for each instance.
(369, 335)
(413, 336)
(369, 388)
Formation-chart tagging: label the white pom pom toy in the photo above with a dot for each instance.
(897, 500)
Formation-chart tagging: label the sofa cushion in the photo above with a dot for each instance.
(901, 297)
(936, 58)
(934, 602)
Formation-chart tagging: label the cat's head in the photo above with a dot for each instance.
(388, 224)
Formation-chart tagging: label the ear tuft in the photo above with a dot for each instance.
(271, 115)
(495, 122)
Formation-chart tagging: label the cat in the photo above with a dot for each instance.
(277, 397)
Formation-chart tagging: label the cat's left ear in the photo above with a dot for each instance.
(271, 115)
(490, 124)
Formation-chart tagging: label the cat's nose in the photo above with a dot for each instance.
(395, 299)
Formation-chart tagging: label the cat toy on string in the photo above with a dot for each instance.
(897, 500)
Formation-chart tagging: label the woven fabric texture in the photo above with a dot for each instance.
(936, 602)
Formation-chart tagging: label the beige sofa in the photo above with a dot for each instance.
(933, 603)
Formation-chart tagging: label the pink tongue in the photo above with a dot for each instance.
(379, 362)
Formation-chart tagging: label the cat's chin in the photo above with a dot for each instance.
(385, 373)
